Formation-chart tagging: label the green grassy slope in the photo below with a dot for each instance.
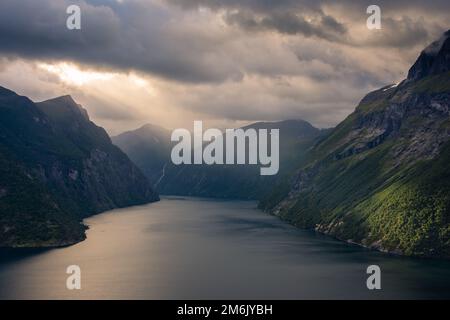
(382, 177)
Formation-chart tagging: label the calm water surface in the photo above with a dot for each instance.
(205, 249)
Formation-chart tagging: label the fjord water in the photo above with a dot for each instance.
(186, 248)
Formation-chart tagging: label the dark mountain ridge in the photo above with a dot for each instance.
(150, 147)
(57, 168)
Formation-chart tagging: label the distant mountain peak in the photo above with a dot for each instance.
(65, 98)
(63, 107)
(151, 126)
(433, 60)
(65, 101)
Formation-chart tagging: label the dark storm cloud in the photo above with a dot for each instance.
(255, 5)
(139, 35)
(325, 27)
(288, 17)
(283, 16)
(408, 33)
(315, 5)
(131, 35)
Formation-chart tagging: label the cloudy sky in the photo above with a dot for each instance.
(227, 62)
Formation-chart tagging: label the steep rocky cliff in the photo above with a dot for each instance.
(382, 176)
(58, 167)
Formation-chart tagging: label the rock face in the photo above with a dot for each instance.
(435, 59)
(381, 178)
(218, 181)
(58, 167)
